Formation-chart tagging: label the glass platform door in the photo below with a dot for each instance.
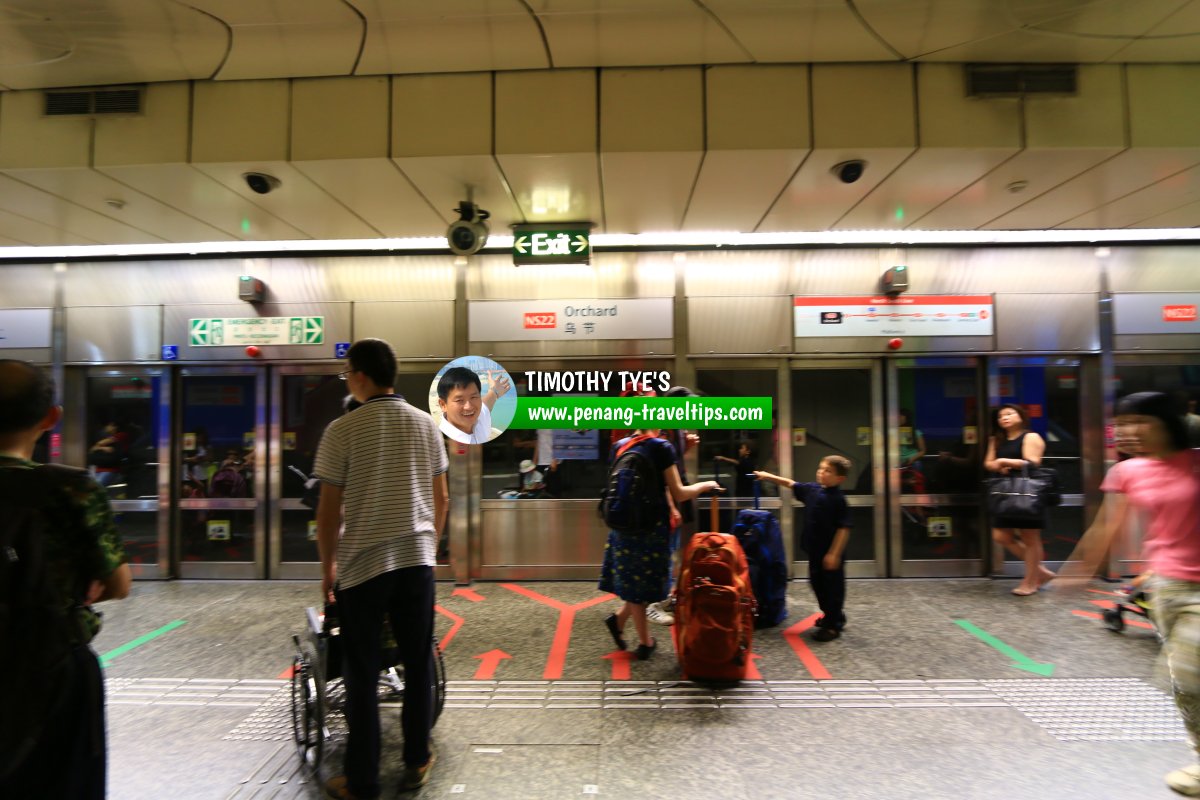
(220, 458)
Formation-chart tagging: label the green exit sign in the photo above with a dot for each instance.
(564, 244)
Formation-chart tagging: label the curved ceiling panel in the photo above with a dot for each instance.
(800, 31)
(287, 38)
(90, 43)
(412, 36)
(583, 33)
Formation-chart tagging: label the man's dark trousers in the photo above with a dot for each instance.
(407, 596)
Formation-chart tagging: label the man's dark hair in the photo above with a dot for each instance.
(375, 359)
(26, 394)
(457, 378)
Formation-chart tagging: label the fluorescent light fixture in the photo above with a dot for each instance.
(665, 240)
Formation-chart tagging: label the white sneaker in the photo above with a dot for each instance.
(660, 612)
(1186, 781)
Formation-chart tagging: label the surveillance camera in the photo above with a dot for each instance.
(849, 171)
(261, 182)
(468, 234)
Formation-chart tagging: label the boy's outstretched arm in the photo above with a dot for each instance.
(767, 476)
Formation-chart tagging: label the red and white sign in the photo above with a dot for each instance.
(904, 315)
(1179, 313)
(570, 320)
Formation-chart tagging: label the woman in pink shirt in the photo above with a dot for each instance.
(1163, 482)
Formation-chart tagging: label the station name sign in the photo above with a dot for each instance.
(552, 244)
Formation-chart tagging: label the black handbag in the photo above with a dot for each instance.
(1023, 495)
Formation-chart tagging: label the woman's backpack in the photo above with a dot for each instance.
(632, 499)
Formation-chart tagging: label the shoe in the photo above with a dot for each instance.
(339, 788)
(1186, 781)
(611, 622)
(644, 651)
(416, 777)
(660, 612)
(826, 634)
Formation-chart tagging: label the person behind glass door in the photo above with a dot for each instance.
(108, 455)
(1014, 446)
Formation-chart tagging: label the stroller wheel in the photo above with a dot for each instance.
(308, 705)
(1113, 620)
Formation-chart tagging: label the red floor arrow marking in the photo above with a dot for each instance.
(444, 642)
(562, 632)
(470, 594)
(287, 674)
(806, 656)
(488, 662)
(621, 661)
(1135, 622)
(752, 673)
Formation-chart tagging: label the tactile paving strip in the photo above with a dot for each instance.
(1086, 709)
(747, 694)
(191, 692)
(1095, 709)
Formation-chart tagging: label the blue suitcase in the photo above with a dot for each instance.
(758, 532)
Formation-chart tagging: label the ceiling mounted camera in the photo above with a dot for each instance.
(468, 234)
(849, 171)
(261, 182)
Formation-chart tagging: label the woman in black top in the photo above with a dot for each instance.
(1012, 446)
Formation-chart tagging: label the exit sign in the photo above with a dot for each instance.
(566, 244)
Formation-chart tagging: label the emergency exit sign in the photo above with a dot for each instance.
(564, 244)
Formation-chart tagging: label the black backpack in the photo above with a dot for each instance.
(632, 499)
(36, 631)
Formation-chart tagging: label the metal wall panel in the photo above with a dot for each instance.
(727, 274)
(739, 324)
(414, 329)
(609, 275)
(337, 329)
(999, 269)
(1153, 269)
(1066, 323)
(27, 286)
(514, 544)
(100, 334)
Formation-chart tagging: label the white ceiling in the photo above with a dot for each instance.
(1117, 181)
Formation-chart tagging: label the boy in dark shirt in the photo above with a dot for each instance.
(826, 531)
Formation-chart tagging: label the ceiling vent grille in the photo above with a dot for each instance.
(86, 102)
(1017, 80)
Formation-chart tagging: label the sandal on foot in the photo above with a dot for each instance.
(611, 623)
(1019, 592)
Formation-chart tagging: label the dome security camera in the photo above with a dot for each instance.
(849, 171)
(261, 182)
(468, 234)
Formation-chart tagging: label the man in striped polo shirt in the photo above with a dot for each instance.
(385, 465)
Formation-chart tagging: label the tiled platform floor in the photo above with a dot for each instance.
(908, 704)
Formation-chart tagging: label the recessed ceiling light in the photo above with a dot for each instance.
(1017, 186)
(114, 203)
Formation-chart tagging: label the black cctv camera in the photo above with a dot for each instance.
(849, 171)
(261, 182)
(468, 234)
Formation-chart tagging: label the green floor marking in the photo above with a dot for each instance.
(141, 640)
(1020, 660)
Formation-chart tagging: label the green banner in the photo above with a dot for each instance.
(693, 413)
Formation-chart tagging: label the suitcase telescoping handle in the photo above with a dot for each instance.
(714, 517)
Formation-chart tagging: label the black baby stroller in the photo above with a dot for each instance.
(317, 673)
